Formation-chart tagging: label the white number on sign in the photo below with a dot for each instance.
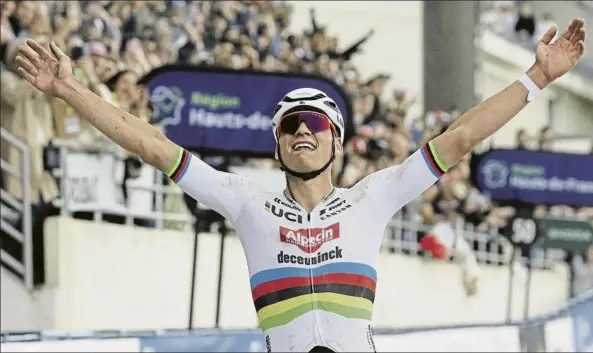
(524, 231)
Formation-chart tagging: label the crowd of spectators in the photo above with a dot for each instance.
(114, 43)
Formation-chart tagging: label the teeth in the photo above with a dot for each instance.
(300, 145)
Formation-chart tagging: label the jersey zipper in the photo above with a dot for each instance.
(318, 334)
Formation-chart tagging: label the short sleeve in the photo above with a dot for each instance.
(392, 188)
(226, 193)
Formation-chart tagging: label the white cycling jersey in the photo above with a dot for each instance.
(313, 276)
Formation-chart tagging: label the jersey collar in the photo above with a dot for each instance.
(330, 194)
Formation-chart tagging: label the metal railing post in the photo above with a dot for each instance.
(64, 183)
(159, 199)
(27, 219)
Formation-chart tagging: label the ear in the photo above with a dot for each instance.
(339, 147)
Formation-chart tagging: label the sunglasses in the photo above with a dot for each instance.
(316, 122)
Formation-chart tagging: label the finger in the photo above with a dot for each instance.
(582, 34)
(25, 64)
(57, 51)
(27, 76)
(580, 25)
(577, 35)
(549, 35)
(39, 49)
(30, 54)
(568, 32)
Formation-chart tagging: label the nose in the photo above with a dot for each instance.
(303, 130)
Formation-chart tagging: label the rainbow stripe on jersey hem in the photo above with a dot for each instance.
(180, 165)
(283, 294)
(434, 160)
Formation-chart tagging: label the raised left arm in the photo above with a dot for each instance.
(477, 124)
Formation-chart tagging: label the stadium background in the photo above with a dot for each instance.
(99, 252)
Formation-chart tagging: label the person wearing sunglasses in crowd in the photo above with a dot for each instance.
(312, 250)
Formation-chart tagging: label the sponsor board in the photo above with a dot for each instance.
(583, 327)
(535, 177)
(220, 342)
(219, 110)
(92, 184)
(567, 234)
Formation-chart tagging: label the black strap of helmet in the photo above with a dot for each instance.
(308, 175)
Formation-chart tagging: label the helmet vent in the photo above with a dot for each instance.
(312, 98)
(332, 105)
(277, 108)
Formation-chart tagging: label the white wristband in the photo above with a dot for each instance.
(534, 91)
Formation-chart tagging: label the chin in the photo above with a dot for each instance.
(302, 166)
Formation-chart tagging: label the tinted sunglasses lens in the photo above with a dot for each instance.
(315, 122)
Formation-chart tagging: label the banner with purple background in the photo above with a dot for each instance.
(535, 177)
(227, 111)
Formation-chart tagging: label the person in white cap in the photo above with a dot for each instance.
(311, 250)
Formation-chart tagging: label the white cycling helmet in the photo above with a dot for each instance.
(305, 99)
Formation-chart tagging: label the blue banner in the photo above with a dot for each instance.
(221, 110)
(208, 342)
(535, 177)
(582, 322)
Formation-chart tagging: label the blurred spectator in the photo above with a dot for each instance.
(525, 26)
(545, 139)
(523, 139)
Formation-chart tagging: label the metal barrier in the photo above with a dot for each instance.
(160, 191)
(400, 235)
(23, 236)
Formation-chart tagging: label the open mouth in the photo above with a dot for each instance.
(302, 146)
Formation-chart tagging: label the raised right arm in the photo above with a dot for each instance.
(131, 133)
(224, 192)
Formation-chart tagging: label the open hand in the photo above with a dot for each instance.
(50, 73)
(556, 59)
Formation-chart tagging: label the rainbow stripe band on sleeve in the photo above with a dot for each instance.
(433, 159)
(180, 165)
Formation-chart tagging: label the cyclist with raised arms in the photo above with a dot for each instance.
(311, 250)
